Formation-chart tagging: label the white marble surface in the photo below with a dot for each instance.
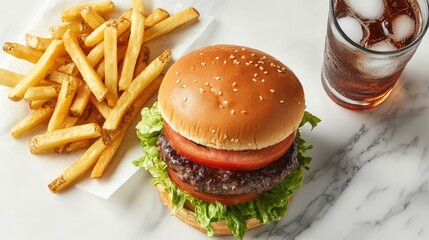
(370, 171)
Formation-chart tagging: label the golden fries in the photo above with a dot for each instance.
(135, 89)
(97, 35)
(57, 138)
(78, 28)
(64, 101)
(23, 52)
(34, 119)
(73, 13)
(91, 17)
(41, 93)
(9, 78)
(155, 17)
(37, 43)
(171, 23)
(86, 70)
(89, 73)
(134, 45)
(39, 71)
(111, 63)
(91, 156)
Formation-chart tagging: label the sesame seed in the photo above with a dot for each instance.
(262, 68)
(225, 102)
(184, 85)
(235, 90)
(255, 75)
(231, 56)
(185, 98)
(243, 111)
(243, 57)
(279, 70)
(252, 54)
(203, 63)
(201, 53)
(234, 84)
(213, 62)
(282, 101)
(260, 97)
(250, 62)
(263, 80)
(263, 57)
(256, 65)
(178, 80)
(232, 139)
(212, 89)
(265, 72)
(217, 58)
(243, 49)
(177, 73)
(236, 140)
(194, 81)
(202, 90)
(232, 111)
(207, 83)
(247, 63)
(272, 90)
(225, 136)
(224, 61)
(236, 50)
(192, 68)
(219, 93)
(217, 78)
(272, 65)
(213, 131)
(238, 62)
(221, 106)
(253, 79)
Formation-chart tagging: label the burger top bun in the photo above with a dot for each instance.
(231, 97)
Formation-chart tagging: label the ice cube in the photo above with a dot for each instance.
(369, 9)
(403, 27)
(352, 28)
(383, 46)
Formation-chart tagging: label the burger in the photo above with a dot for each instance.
(222, 142)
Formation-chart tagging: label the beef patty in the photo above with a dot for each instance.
(223, 181)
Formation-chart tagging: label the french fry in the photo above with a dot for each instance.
(33, 120)
(142, 60)
(100, 69)
(81, 101)
(69, 68)
(171, 23)
(96, 54)
(78, 28)
(37, 43)
(62, 107)
(136, 87)
(39, 71)
(134, 45)
(36, 104)
(111, 63)
(41, 93)
(106, 156)
(9, 78)
(54, 139)
(102, 107)
(93, 153)
(91, 17)
(124, 38)
(155, 17)
(22, 52)
(74, 146)
(87, 71)
(73, 13)
(97, 36)
(59, 77)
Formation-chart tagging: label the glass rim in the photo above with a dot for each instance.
(394, 52)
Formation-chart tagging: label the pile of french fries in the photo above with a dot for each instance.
(89, 80)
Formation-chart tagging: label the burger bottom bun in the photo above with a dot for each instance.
(188, 216)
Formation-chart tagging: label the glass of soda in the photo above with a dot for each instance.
(368, 44)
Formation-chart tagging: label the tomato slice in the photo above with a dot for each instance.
(211, 198)
(227, 159)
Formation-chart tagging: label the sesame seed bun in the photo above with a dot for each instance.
(231, 97)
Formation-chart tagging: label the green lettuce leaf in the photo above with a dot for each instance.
(271, 206)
